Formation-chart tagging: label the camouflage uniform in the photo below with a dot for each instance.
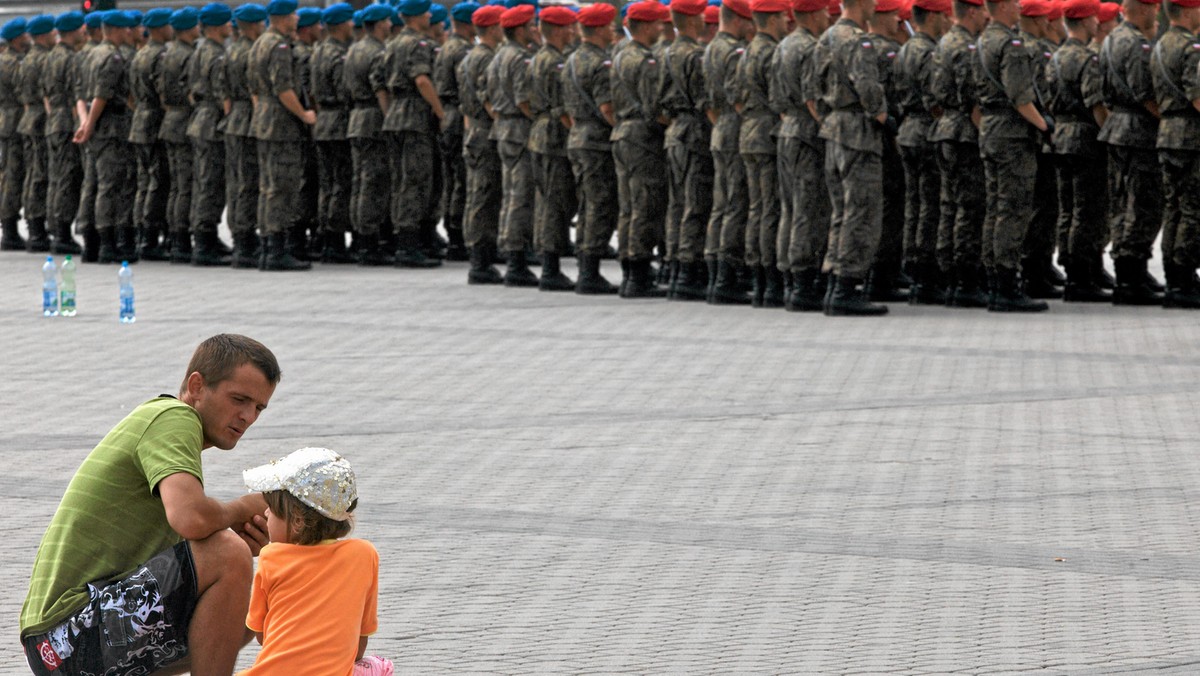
(730, 206)
(890, 253)
(1044, 227)
(207, 88)
(33, 128)
(852, 87)
(1175, 65)
(310, 187)
(172, 91)
(586, 87)
(116, 179)
(12, 150)
(687, 139)
(365, 75)
(508, 86)
(333, 149)
(280, 135)
(454, 168)
(756, 143)
(153, 179)
(241, 152)
(65, 169)
(638, 150)
(86, 218)
(922, 179)
(555, 201)
(481, 210)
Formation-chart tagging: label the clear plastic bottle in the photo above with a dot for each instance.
(49, 288)
(125, 276)
(66, 291)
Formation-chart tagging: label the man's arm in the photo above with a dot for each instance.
(429, 93)
(292, 103)
(196, 516)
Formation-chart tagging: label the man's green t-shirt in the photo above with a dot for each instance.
(111, 519)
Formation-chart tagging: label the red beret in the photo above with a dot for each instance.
(806, 6)
(941, 6)
(712, 14)
(906, 11)
(1034, 8)
(689, 7)
(770, 6)
(1081, 9)
(558, 16)
(885, 6)
(1108, 11)
(517, 16)
(647, 10)
(597, 14)
(739, 7)
(835, 8)
(1056, 10)
(488, 15)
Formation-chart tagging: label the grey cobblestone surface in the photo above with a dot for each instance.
(560, 484)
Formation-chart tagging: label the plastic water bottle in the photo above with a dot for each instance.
(125, 276)
(49, 288)
(66, 292)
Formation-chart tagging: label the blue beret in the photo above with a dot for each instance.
(498, 3)
(13, 29)
(358, 20)
(516, 3)
(157, 18)
(281, 7)
(215, 14)
(413, 7)
(462, 11)
(136, 16)
(438, 14)
(250, 13)
(41, 24)
(94, 19)
(335, 14)
(71, 21)
(185, 18)
(373, 13)
(714, 3)
(308, 16)
(118, 19)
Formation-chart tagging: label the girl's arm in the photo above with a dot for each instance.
(362, 648)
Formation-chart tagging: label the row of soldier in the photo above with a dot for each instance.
(782, 165)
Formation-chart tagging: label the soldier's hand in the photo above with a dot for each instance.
(83, 133)
(1048, 132)
(309, 117)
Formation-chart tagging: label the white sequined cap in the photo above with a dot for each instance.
(318, 477)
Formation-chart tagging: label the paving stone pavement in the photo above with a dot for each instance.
(561, 484)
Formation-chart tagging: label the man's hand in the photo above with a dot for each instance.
(83, 134)
(254, 534)
(309, 117)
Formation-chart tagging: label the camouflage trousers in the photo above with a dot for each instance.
(181, 165)
(116, 183)
(596, 175)
(241, 183)
(1082, 205)
(208, 185)
(280, 176)
(555, 203)
(336, 177)
(854, 179)
(1010, 177)
(414, 198)
(86, 218)
(33, 193)
(962, 204)
(642, 179)
(1136, 203)
(481, 209)
(804, 228)
(153, 186)
(516, 208)
(1041, 237)
(454, 178)
(12, 182)
(66, 175)
(692, 181)
(1181, 207)
(922, 206)
(889, 255)
(726, 233)
(762, 221)
(371, 188)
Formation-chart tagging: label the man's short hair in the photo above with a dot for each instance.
(589, 31)
(920, 15)
(1173, 11)
(218, 357)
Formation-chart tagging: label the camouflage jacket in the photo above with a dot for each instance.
(1175, 65)
(1004, 75)
(852, 86)
(10, 103)
(58, 74)
(508, 86)
(445, 79)
(208, 88)
(329, 90)
(684, 99)
(271, 71)
(110, 82)
(759, 121)
(1074, 88)
(720, 65)
(237, 87)
(953, 87)
(587, 85)
(302, 59)
(914, 84)
(548, 135)
(792, 86)
(636, 75)
(364, 75)
(148, 112)
(1127, 86)
(33, 120)
(408, 56)
(472, 87)
(172, 91)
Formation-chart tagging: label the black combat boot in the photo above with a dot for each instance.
(692, 283)
(672, 277)
(127, 244)
(966, 292)
(335, 251)
(1041, 281)
(882, 285)
(807, 294)
(1132, 288)
(39, 239)
(64, 242)
(710, 262)
(773, 293)
(279, 258)
(91, 244)
(457, 249)
(409, 254)
(518, 273)
(371, 252)
(108, 247)
(642, 281)
(11, 239)
(726, 290)
(850, 300)
(149, 247)
(482, 271)
(624, 277)
(552, 278)
(927, 286)
(206, 254)
(1010, 297)
(591, 282)
(181, 247)
(1082, 285)
(245, 251)
(758, 286)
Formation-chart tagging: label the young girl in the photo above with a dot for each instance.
(314, 596)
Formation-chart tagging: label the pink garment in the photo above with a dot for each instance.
(373, 666)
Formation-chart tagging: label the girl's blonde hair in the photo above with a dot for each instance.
(306, 526)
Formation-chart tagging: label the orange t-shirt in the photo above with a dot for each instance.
(312, 603)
